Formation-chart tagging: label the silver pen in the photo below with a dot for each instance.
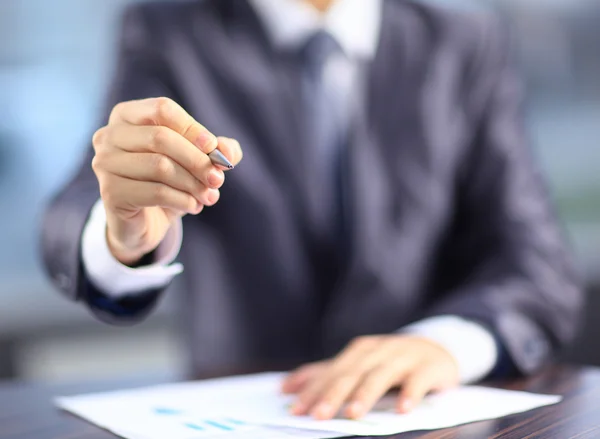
(217, 158)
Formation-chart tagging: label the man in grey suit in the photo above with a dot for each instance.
(387, 226)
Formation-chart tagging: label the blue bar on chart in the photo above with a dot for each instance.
(210, 425)
(219, 425)
(167, 411)
(194, 426)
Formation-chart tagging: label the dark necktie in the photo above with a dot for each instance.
(327, 97)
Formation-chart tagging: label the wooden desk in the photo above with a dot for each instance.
(26, 411)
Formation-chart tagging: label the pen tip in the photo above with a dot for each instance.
(218, 158)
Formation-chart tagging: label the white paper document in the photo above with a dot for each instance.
(253, 407)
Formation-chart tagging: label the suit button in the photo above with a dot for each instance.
(63, 281)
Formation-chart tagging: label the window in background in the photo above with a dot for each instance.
(56, 57)
(560, 52)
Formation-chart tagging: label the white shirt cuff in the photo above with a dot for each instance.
(472, 346)
(113, 278)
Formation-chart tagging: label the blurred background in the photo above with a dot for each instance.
(56, 58)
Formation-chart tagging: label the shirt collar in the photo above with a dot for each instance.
(355, 24)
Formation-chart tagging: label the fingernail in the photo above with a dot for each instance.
(215, 178)
(355, 410)
(198, 209)
(298, 408)
(213, 196)
(206, 140)
(406, 405)
(323, 411)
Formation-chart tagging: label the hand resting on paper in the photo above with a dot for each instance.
(366, 370)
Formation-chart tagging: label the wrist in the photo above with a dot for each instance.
(121, 253)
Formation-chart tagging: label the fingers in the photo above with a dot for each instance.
(158, 169)
(329, 404)
(375, 385)
(415, 387)
(324, 397)
(162, 141)
(167, 113)
(296, 381)
(135, 194)
(310, 395)
(164, 112)
(367, 369)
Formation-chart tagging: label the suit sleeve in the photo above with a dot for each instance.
(519, 279)
(140, 74)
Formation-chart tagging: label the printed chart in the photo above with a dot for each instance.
(253, 407)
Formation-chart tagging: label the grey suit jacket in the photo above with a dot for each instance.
(445, 211)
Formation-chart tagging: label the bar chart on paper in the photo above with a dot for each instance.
(179, 419)
(139, 418)
(252, 407)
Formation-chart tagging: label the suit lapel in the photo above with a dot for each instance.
(376, 134)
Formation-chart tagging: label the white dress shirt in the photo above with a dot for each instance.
(355, 24)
